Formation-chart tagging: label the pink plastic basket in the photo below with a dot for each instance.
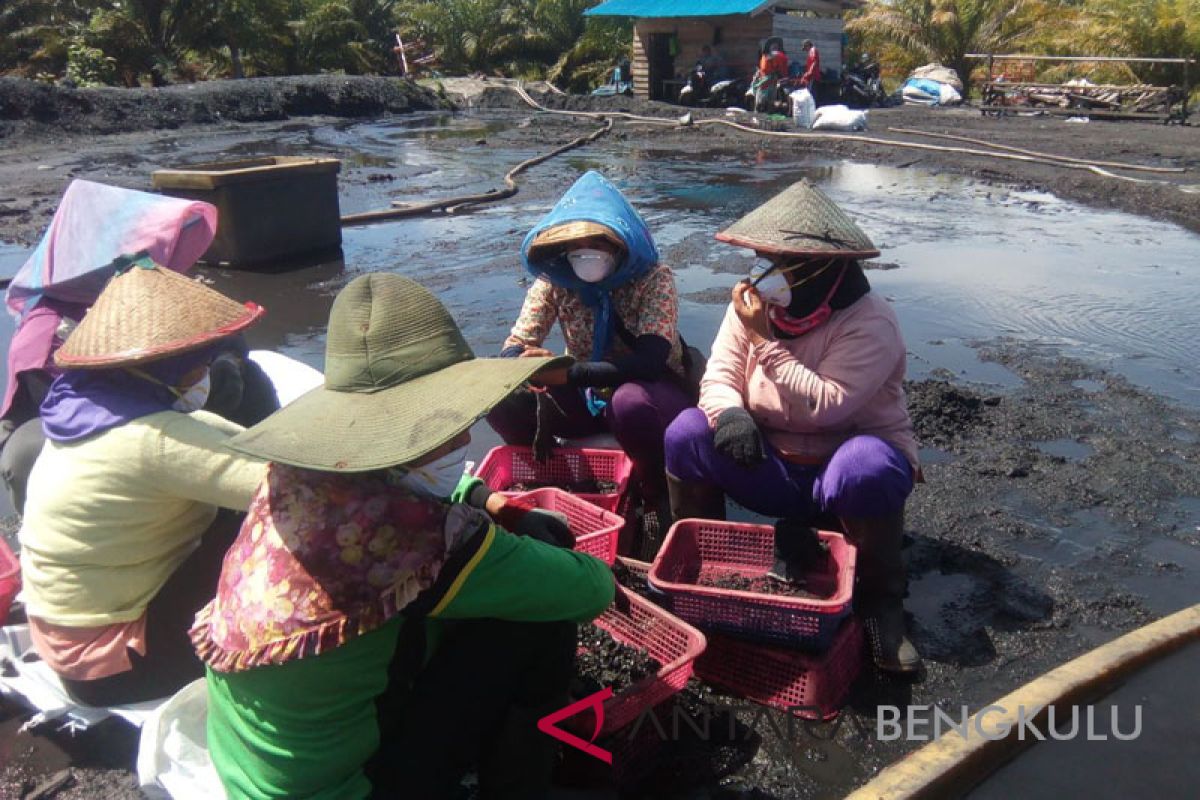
(567, 467)
(697, 551)
(595, 529)
(10, 579)
(810, 686)
(669, 640)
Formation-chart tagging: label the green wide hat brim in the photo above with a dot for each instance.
(343, 431)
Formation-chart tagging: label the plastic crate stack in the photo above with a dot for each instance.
(675, 645)
(594, 528)
(508, 467)
(799, 654)
(10, 579)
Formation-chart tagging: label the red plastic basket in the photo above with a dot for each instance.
(697, 551)
(595, 529)
(10, 579)
(669, 640)
(810, 686)
(507, 465)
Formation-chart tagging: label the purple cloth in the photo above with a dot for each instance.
(84, 402)
(637, 415)
(866, 477)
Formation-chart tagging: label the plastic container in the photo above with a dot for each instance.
(10, 579)
(698, 551)
(669, 640)
(803, 684)
(268, 209)
(508, 465)
(595, 529)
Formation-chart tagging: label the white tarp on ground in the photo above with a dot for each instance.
(173, 760)
(290, 377)
(26, 678)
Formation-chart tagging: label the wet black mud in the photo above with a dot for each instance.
(603, 661)
(763, 584)
(576, 487)
(31, 107)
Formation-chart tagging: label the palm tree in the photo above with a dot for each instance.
(35, 34)
(946, 30)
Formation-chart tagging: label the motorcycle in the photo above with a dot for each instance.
(862, 86)
(702, 90)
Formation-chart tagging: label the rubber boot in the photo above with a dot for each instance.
(694, 500)
(882, 586)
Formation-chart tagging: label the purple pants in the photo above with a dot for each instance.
(865, 477)
(637, 416)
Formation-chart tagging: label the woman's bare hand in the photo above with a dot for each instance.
(555, 376)
(752, 311)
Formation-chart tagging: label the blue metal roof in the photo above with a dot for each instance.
(675, 8)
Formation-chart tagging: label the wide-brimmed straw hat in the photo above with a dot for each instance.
(558, 237)
(400, 382)
(147, 313)
(800, 221)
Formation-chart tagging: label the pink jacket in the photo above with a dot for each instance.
(814, 392)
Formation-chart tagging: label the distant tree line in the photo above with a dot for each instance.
(907, 33)
(137, 42)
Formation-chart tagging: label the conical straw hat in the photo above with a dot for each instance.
(147, 313)
(559, 236)
(800, 221)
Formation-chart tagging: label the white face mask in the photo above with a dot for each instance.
(774, 288)
(438, 478)
(194, 397)
(592, 266)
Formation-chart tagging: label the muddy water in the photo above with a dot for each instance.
(1166, 694)
(973, 261)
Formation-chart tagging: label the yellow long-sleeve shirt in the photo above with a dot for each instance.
(109, 518)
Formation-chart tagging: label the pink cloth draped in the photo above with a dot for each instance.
(66, 272)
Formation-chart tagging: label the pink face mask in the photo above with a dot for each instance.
(798, 326)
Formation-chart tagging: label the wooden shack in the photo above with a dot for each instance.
(669, 34)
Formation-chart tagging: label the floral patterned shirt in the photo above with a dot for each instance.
(647, 306)
(323, 558)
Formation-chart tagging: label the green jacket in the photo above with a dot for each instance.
(281, 732)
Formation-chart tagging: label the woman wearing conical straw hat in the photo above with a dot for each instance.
(802, 409)
(121, 542)
(377, 629)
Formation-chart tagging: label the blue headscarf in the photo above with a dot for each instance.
(593, 199)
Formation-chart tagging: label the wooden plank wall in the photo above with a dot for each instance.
(826, 33)
(740, 39)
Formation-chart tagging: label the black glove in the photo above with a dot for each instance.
(738, 438)
(546, 526)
